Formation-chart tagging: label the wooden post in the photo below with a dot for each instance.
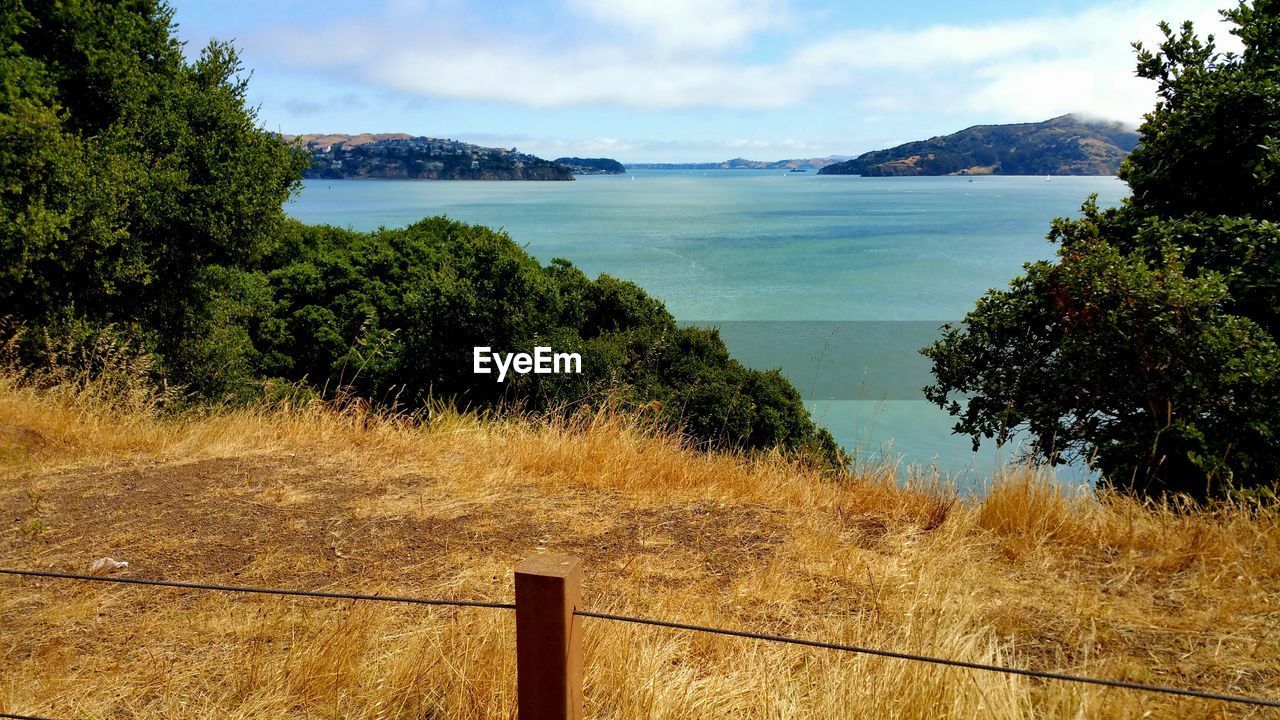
(548, 638)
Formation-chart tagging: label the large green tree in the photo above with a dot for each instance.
(136, 189)
(1148, 347)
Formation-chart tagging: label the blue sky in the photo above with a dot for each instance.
(672, 80)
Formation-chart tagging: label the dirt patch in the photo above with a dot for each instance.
(205, 519)
(21, 441)
(257, 519)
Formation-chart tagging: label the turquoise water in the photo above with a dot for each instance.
(763, 250)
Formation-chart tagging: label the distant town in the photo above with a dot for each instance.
(401, 156)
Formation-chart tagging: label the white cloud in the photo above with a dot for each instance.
(599, 76)
(1029, 69)
(673, 54)
(682, 25)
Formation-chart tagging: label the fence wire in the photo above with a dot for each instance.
(262, 590)
(1040, 674)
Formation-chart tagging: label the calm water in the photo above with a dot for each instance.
(836, 279)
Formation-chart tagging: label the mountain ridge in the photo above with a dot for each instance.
(1064, 145)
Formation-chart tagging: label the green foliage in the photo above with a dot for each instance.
(395, 314)
(1148, 347)
(1133, 365)
(128, 175)
(1212, 143)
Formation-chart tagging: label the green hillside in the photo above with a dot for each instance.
(1065, 145)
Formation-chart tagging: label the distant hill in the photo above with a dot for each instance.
(1065, 145)
(397, 155)
(744, 164)
(592, 166)
(320, 139)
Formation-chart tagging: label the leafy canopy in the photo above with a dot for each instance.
(1148, 347)
(136, 187)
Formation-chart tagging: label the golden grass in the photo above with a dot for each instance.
(1030, 575)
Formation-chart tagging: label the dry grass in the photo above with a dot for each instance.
(313, 498)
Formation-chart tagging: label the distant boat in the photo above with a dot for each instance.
(798, 170)
(1046, 178)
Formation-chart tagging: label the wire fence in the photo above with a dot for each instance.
(913, 657)
(1042, 674)
(260, 590)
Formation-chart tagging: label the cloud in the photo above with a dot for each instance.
(684, 26)
(671, 54)
(596, 76)
(1029, 68)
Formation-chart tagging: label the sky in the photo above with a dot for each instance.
(687, 80)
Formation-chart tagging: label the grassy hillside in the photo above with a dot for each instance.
(1065, 145)
(338, 499)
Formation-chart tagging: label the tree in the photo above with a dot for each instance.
(138, 189)
(1148, 347)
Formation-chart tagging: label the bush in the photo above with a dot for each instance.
(395, 314)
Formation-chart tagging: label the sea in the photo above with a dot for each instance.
(836, 280)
